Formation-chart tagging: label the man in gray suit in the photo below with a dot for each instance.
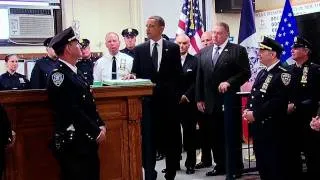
(223, 68)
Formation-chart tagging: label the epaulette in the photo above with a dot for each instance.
(283, 69)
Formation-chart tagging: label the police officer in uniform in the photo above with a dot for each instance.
(303, 106)
(78, 127)
(43, 67)
(11, 80)
(129, 36)
(86, 63)
(266, 112)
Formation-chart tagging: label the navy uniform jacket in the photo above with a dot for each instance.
(14, 81)
(86, 68)
(73, 104)
(269, 101)
(305, 94)
(128, 51)
(41, 71)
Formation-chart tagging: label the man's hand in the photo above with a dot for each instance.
(223, 87)
(201, 106)
(102, 135)
(315, 123)
(129, 76)
(184, 100)
(248, 115)
(13, 140)
(291, 108)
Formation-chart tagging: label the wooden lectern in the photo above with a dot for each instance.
(32, 120)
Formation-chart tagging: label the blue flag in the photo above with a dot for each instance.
(248, 39)
(286, 32)
(247, 25)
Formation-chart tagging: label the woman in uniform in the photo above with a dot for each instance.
(11, 80)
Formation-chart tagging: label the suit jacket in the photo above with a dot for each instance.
(167, 78)
(188, 78)
(232, 66)
(5, 129)
(73, 104)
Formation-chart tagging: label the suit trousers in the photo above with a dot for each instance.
(148, 131)
(205, 143)
(79, 166)
(187, 114)
(215, 123)
(2, 161)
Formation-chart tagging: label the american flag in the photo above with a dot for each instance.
(286, 32)
(190, 24)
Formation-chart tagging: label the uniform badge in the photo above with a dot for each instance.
(285, 78)
(21, 80)
(304, 78)
(266, 83)
(57, 78)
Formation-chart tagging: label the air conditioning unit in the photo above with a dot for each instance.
(30, 23)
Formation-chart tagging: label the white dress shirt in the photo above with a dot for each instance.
(159, 48)
(222, 46)
(72, 67)
(103, 67)
(183, 59)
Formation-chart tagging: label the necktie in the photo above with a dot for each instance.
(114, 68)
(155, 55)
(215, 56)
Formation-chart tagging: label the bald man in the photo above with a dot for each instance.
(114, 64)
(187, 105)
(206, 39)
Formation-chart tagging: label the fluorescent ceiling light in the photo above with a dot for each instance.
(16, 3)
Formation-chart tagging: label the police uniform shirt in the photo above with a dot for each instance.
(269, 95)
(306, 89)
(74, 105)
(85, 66)
(13, 81)
(103, 67)
(41, 71)
(128, 52)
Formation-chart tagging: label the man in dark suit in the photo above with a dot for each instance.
(43, 67)
(187, 105)
(6, 137)
(223, 68)
(266, 112)
(78, 127)
(159, 61)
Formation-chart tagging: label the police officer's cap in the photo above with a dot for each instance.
(63, 38)
(271, 45)
(129, 32)
(301, 42)
(47, 41)
(84, 43)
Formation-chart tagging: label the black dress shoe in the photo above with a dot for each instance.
(215, 173)
(190, 171)
(202, 165)
(165, 170)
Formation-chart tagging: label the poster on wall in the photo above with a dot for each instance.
(267, 21)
